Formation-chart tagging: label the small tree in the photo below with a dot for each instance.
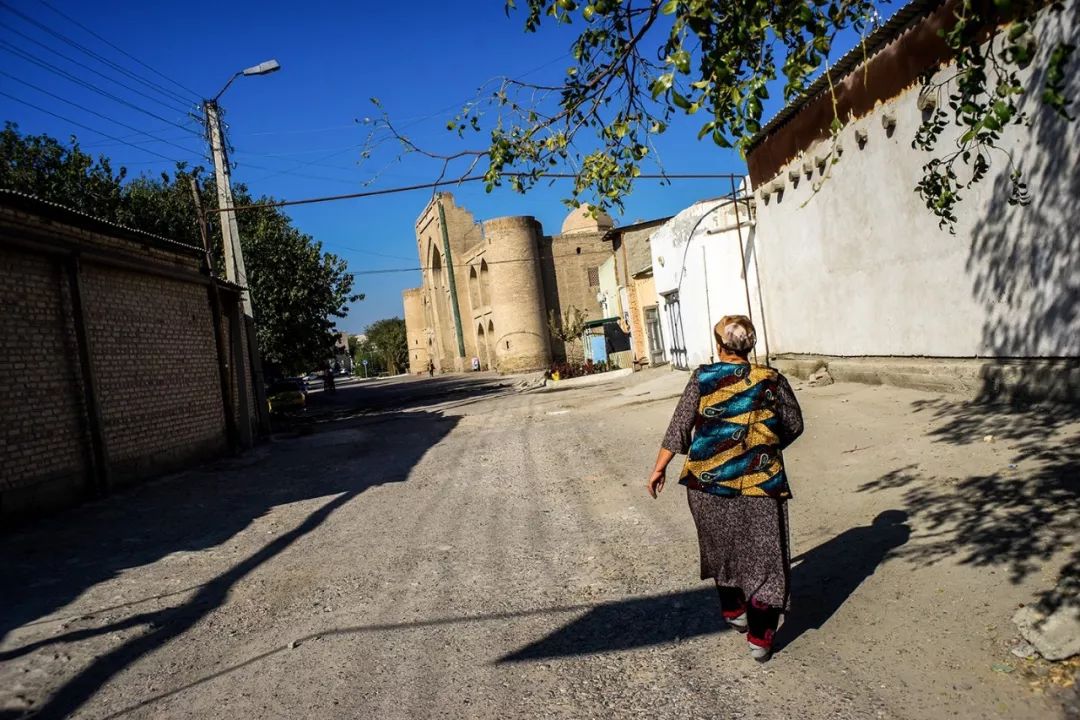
(389, 340)
(364, 350)
(568, 330)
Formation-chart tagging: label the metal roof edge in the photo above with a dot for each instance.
(901, 21)
(55, 211)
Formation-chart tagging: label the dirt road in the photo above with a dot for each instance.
(488, 554)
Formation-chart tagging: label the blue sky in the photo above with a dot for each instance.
(295, 132)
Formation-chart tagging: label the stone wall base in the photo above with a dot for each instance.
(981, 379)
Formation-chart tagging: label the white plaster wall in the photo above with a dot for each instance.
(609, 286)
(861, 268)
(706, 270)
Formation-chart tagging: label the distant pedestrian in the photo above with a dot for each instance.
(431, 368)
(732, 423)
(328, 381)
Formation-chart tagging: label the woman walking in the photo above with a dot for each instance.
(732, 423)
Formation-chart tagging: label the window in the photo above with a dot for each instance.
(594, 276)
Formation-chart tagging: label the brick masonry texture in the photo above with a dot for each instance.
(152, 345)
(42, 433)
(508, 276)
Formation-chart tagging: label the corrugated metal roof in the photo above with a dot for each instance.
(904, 18)
(54, 210)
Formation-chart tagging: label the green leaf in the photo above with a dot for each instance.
(669, 7)
(681, 60)
(1016, 30)
(679, 100)
(661, 85)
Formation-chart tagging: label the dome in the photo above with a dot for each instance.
(580, 220)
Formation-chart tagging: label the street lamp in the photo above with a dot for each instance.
(263, 68)
(230, 235)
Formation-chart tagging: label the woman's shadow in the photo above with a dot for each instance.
(829, 573)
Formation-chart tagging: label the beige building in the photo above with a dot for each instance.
(636, 290)
(488, 288)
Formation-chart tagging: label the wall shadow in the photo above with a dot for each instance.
(1017, 516)
(379, 396)
(49, 566)
(822, 579)
(1023, 260)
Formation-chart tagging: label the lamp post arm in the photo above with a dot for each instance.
(222, 92)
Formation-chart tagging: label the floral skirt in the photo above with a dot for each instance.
(744, 544)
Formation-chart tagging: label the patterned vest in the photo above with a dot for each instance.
(736, 450)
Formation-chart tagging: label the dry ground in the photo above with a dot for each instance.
(487, 554)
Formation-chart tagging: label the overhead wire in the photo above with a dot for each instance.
(100, 74)
(489, 262)
(100, 115)
(78, 81)
(87, 51)
(120, 50)
(456, 181)
(86, 127)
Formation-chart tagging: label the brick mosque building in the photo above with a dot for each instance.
(488, 287)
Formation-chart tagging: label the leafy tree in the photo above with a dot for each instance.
(636, 64)
(568, 328)
(297, 290)
(40, 165)
(387, 338)
(364, 350)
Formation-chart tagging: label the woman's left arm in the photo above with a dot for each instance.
(787, 408)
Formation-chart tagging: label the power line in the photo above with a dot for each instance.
(364, 252)
(86, 127)
(96, 72)
(63, 73)
(109, 143)
(247, 165)
(82, 48)
(123, 52)
(94, 112)
(468, 178)
(300, 131)
(489, 262)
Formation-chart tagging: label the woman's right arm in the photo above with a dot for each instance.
(678, 436)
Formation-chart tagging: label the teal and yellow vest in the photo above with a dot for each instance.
(736, 449)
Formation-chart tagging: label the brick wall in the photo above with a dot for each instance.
(150, 334)
(41, 437)
(565, 263)
(156, 363)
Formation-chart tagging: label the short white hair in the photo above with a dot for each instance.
(735, 333)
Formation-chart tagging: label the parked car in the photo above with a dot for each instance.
(286, 396)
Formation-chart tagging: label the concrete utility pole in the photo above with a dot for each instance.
(452, 284)
(230, 236)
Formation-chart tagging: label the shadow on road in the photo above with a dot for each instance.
(825, 575)
(1019, 516)
(401, 393)
(48, 567)
(629, 624)
(822, 580)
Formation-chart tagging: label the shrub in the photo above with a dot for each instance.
(566, 370)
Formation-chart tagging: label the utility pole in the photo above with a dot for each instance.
(234, 255)
(243, 435)
(451, 282)
(230, 234)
